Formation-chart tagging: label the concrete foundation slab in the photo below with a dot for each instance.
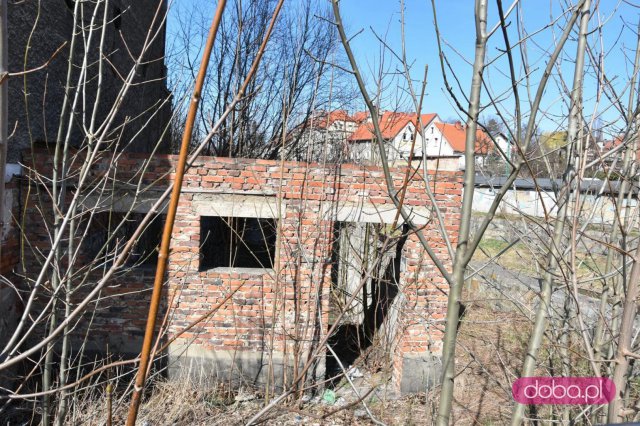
(241, 368)
(420, 373)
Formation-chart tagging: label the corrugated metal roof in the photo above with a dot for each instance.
(546, 184)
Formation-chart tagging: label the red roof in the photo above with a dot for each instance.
(608, 145)
(426, 118)
(360, 116)
(456, 135)
(611, 144)
(391, 123)
(324, 119)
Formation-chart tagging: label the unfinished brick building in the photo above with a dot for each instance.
(254, 256)
(270, 255)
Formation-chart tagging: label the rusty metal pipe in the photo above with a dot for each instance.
(145, 356)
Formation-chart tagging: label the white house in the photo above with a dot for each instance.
(398, 130)
(352, 137)
(445, 139)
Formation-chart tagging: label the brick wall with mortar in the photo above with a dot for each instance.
(283, 311)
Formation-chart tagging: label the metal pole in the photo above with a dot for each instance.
(145, 358)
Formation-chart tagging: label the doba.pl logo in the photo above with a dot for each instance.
(564, 390)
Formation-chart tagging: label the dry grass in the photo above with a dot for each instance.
(491, 347)
(177, 402)
(490, 351)
(520, 258)
(186, 402)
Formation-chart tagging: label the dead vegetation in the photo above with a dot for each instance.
(491, 341)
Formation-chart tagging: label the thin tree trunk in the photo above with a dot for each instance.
(629, 312)
(542, 313)
(459, 265)
(61, 157)
(623, 364)
(629, 155)
(61, 409)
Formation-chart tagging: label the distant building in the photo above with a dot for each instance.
(398, 130)
(608, 158)
(340, 137)
(323, 136)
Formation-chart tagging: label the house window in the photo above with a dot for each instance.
(404, 136)
(146, 249)
(237, 242)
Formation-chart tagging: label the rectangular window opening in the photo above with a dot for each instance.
(109, 232)
(237, 242)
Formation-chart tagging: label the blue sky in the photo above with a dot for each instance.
(383, 17)
(457, 26)
(458, 30)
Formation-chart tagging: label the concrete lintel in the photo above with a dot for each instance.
(124, 202)
(373, 213)
(237, 205)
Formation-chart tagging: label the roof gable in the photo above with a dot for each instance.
(456, 135)
(391, 123)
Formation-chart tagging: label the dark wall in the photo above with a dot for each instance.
(36, 99)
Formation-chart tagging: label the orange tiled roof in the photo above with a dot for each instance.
(456, 136)
(611, 144)
(608, 145)
(324, 119)
(426, 118)
(360, 116)
(391, 123)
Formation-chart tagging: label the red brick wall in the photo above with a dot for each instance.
(288, 305)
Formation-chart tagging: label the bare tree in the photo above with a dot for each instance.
(297, 65)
